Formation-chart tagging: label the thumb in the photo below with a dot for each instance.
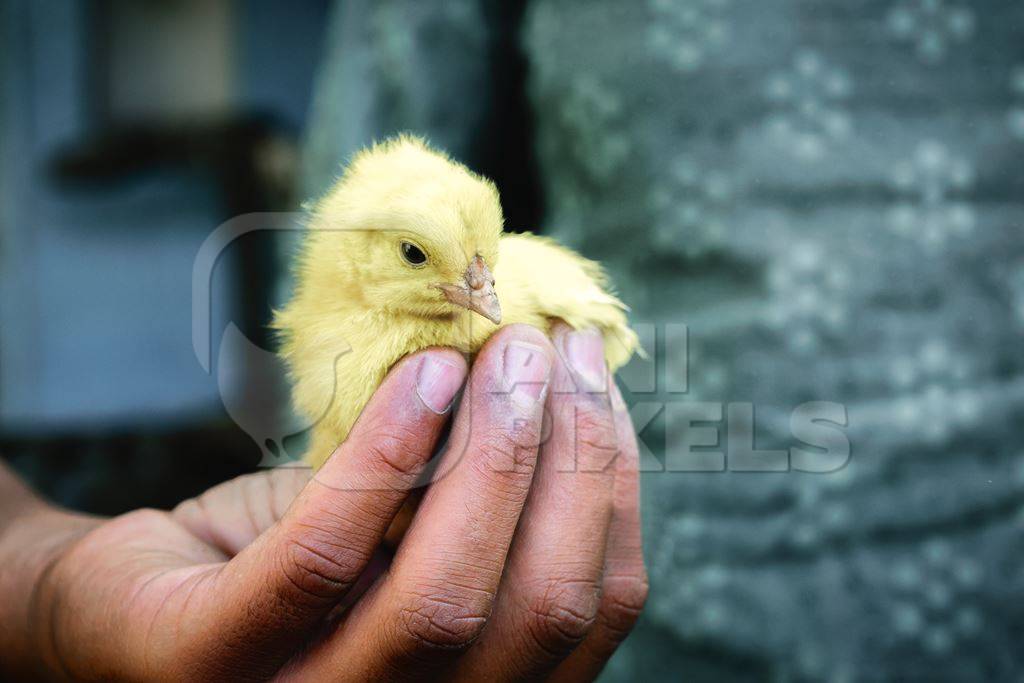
(270, 599)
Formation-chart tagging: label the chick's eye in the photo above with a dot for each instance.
(412, 254)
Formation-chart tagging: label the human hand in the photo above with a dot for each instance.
(514, 566)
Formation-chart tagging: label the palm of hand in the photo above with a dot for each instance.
(153, 577)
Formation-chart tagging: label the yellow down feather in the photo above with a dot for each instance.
(358, 306)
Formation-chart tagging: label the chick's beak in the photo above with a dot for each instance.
(476, 291)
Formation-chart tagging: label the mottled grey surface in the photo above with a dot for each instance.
(831, 196)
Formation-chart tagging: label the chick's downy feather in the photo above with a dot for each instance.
(406, 251)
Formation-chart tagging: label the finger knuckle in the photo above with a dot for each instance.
(513, 450)
(593, 424)
(587, 435)
(560, 613)
(317, 571)
(398, 447)
(442, 620)
(622, 602)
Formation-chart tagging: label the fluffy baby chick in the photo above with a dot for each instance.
(406, 251)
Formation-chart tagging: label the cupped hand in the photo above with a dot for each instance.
(523, 560)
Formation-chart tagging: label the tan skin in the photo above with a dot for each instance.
(523, 562)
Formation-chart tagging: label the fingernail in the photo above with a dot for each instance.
(526, 371)
(437, 383)
(585, 355)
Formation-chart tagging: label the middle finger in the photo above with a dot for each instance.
(549, 596)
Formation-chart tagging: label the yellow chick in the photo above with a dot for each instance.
(406, 251)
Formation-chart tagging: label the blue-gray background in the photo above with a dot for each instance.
(829, 194)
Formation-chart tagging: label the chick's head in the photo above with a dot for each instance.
(409, 231)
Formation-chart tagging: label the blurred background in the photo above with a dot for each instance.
(829, 194)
